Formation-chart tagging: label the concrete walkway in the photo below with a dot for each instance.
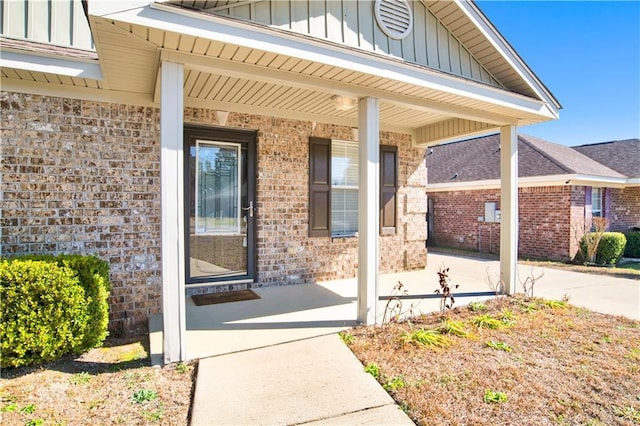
(317, 381)
(278, 360)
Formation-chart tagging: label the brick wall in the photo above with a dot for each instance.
(83, 177)
(625, 208)
(544, 217)
(580, 218)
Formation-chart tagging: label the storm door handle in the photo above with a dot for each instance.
(249, 209)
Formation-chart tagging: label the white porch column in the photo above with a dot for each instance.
(368, 210)
(509, 207)
(171, 179)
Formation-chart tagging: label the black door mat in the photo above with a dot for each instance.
(232, 296)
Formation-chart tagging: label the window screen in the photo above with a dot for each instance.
(344, 188)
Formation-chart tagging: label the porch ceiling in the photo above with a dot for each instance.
(227, 92)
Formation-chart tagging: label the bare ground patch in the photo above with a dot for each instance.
(546, 364)
(109, 385)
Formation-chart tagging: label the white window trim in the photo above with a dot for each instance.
(335, 186)
(597, 212)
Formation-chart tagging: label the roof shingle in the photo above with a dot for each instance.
(622, 156)
(479, 159)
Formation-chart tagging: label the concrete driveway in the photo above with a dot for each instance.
(600, 293)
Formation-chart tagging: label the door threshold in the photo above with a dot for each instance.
(220, 283)
(218, 287)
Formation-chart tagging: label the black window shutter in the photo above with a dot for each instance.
(388, 185)
(319, 187)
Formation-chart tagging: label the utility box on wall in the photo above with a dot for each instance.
(490, 212)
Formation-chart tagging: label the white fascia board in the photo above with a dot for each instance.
(593, 180)
(239, 33)
(531, 181)
(31, 61)
(508, 53)
(494, 184)
(633, 182)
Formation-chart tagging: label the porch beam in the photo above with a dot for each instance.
(171, 181)
(509, 207)
(284, 113)
(368, 210)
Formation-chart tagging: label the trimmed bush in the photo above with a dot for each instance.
(632, 249)
(610, 248)
(93, 274)
(44, 312)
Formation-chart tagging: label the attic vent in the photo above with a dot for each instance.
(394, 17)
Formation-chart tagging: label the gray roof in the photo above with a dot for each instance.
(46, 48)
(622, 156)
(479, 159)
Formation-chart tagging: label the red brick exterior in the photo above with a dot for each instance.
(84, 177)
(580, 218)
(625, 208)
(551, 219)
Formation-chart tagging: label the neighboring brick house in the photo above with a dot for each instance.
(560, 189)
(211, 146)
(621, 204)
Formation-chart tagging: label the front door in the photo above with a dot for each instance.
(220, 200)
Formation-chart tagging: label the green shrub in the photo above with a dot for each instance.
(94, 278)
(632, 249)
(44, 312)
(610, 248)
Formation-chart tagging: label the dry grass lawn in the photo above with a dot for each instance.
(109, 385)
(547, 363)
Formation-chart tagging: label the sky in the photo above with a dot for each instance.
(587, 53)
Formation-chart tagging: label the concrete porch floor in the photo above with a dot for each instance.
(292, 313)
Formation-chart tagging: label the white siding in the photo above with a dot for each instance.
(352, 22)
(60, 22)
(448, 130)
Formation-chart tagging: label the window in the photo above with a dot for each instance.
(333, 187)
(596, 202)
(344, 188)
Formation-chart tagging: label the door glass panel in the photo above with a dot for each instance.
(217, 222)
